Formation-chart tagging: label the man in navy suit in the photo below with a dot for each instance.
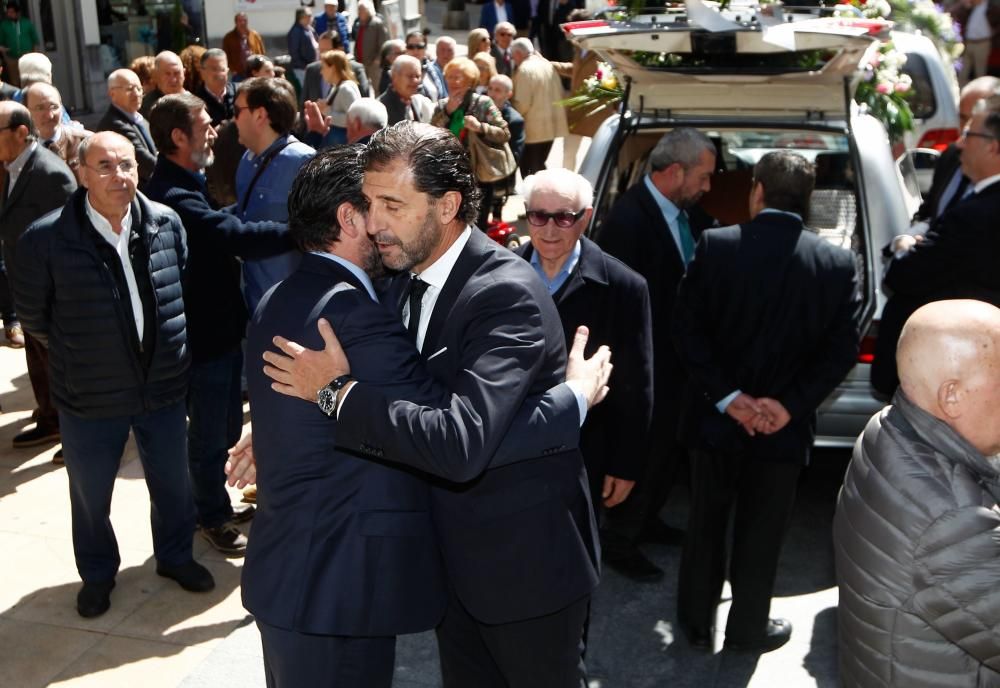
(652, 229)
(123, 117)
(766, 324)
(518, 540)
(594, 289)
(343, 555)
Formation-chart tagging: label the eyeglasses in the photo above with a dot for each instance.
(237, 109)
(416, 46)
(106, 169)
(564, 218)
(966, 134)
(504, 33)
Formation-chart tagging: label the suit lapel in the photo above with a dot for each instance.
(465, 266)
(661, 228)
(22, 181)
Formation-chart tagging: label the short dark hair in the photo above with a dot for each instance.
(436, 159)
(21, 116)
(257, 62)
(788, 180)
(276, 96)
(324, 182)
(332, 35)
(176, 111)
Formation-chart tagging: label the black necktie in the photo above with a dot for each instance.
(415, 296)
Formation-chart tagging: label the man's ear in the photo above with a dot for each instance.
(949, 398)
(179, 138)
(447, 206)
(349, 220)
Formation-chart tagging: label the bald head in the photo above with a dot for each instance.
(972, 93)
(169, 73)
(949, 365)
(125, 90)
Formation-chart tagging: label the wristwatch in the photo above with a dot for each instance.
(328, 397)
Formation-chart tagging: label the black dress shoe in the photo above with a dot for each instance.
(657, 532)
(94, 599)
(191, 576)
(777, 634)
(637, 567)
(36, 436)
(699, 640)
(243, 513)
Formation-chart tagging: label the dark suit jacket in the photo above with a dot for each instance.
(503, 66)
(636, 233)
(958, 256)
(488, 16)
(516, 125)
(773, 310)
(949, 162)
(45, 184)
(145, 153)
(612, 300)
(7, 91)
(219, 112)
(341, 545)
(518, 540)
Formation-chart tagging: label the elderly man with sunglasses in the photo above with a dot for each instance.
(99, 284)
(594, 289)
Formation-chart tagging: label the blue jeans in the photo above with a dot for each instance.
(215, 421)
(92, 449)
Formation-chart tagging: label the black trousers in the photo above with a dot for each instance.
(544, 652)
(533, 157)
(760, 496)
(296, 660)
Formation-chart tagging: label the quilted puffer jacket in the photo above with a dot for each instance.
(917, 544)
(69, 299)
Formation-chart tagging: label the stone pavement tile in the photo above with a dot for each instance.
(47, 561)
(118, 661)
(56, 605)
(32, 654)
(174, 615)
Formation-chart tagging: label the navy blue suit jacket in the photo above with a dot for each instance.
(519, 540)
(341, 545)
(612, 300)
(488, 16)
(773, 310)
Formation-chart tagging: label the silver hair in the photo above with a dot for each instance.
(522, 45)
(683, 145)
(505, 80)
(34, 67)
(560, 178)
(368, 112)
(402, 60)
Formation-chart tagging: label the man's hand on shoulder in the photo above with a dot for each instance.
(589, 375)
(300, 372)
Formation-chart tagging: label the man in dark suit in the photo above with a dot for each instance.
(503, 36)
(949, 187)
(37, 182)
(332, 581)
(957, 257)
(766, 324)
(652, 229)
(591, 288)
(518, 541)
(123, 117)
(216, 90)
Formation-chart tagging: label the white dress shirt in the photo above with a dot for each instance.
(120, 243)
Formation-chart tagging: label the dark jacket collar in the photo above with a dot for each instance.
(591, 267)
(173, 175)
(324, 266)
(73, 221)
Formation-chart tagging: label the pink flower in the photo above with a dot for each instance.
(902, 88)
(883, 88)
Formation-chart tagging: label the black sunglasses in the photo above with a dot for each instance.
(416, 46)
(563, 219)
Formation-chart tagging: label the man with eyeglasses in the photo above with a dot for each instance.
(38, 181)
(99, 284)
(122, 117)
(591, 288)
(503, 36)
(45, 104)
(957, 257)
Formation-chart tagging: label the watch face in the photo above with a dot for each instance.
(327, 400)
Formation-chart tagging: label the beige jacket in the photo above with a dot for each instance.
(537, 89)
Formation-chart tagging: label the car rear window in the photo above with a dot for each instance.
(921, 98)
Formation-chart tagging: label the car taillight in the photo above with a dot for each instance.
(866, 354)
(938, 139)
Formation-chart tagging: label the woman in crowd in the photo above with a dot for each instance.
(260, 65)
(487, 66)
(391, 49)
(479, 41)
(191, 59)
(143, 67)
(467, 113)
(337, 72)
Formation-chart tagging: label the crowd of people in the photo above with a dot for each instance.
(440, 437)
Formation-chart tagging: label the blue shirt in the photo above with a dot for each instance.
(269, 201)
(554, 284)
(669, 211)
(353, 269)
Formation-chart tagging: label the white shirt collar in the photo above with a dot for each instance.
(983, 183)
(437, 273)
(353, 269)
